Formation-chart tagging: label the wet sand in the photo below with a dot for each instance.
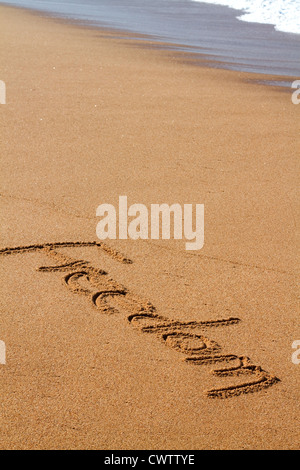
(88, 118)
(195, 28)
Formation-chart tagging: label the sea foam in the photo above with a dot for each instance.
(283, 14)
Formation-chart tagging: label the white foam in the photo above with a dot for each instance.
(283, 14)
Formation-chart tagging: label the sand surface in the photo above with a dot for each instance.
(88, 118)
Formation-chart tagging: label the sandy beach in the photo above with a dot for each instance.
(90, 117)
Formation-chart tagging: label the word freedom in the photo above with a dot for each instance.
(138, 227)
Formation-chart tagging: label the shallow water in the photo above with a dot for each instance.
(191, 26)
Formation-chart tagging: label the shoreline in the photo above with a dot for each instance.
(89, 118)
(180, 49)
(169, 51)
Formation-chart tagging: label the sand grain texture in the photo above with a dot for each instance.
(125, 347)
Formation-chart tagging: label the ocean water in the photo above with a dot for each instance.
(264, 42)
(283, 14)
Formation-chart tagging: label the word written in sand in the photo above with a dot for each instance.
(138, 226)
(188, 338)
(2, 353)
(296, 354)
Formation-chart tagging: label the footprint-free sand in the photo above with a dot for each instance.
(120, 346)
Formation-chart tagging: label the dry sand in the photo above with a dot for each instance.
(90, 117)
